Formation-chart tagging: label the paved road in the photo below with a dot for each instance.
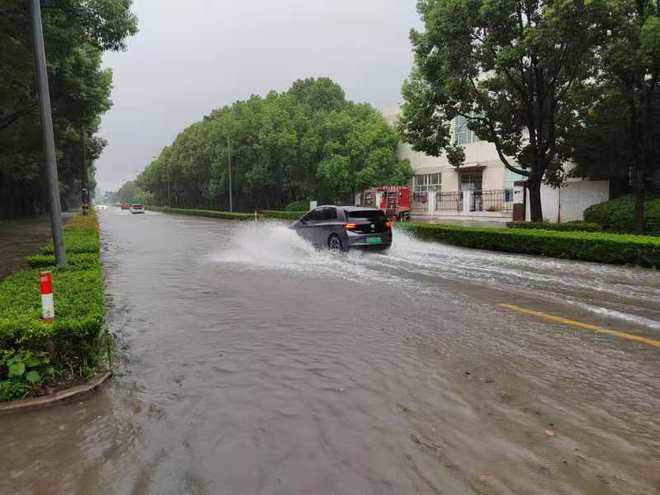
(253, 364)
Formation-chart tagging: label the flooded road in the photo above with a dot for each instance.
(253, 364)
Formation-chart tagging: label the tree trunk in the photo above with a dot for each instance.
(535, 207)
(640, 198)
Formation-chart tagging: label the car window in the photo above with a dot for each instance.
(314, 215)
(368, 215)
(329, 214)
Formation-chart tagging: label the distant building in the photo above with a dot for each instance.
(483, 188)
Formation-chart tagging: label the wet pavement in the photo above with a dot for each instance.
(251, 363)
(21, 238)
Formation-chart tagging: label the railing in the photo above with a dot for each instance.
(450, 201)
(489, 201)
(492, 200)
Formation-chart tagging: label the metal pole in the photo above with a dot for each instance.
(84, 181)
(169, 201)
(48, 134)
(231, 206)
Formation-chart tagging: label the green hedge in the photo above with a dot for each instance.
(618, 215)
(302, 205)
(560, 227)
(284, 215)
(35, 355)
(226, 215)
(585, 246)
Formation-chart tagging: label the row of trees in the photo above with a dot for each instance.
(545, 81)
(307, 142)
(76, 34)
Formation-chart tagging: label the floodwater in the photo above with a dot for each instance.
(252, 364)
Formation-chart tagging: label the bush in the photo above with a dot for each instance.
(35, 354)
(297, 206)
(585, 246)
(226, 215)
(284, 215)
(618, 215)
(560, 227)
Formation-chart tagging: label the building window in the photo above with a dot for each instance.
(462, 134)
(425, 184)
(471, 181)
(510, 178)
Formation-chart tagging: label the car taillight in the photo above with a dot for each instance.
(351, 226)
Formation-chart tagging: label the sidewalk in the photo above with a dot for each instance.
(20, 238)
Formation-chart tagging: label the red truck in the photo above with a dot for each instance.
(393, 200)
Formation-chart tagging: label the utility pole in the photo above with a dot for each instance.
(48, 134)
(231, 206)
(84, 177)
(169, 202)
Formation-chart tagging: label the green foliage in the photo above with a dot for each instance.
(618, 215)
(585, 246)
(302, 205)
(24, 370)
(307, 142)
(130, 193)
(620, 135)
(226, 215)
(506, 66)
(561, 227)
(34, 353)
(76, 33)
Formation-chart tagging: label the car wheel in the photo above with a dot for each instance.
(334, 243)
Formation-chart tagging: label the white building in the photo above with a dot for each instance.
(483, 188)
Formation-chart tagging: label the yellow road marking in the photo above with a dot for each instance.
(586, 326)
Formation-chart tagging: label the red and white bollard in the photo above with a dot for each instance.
(47, 304)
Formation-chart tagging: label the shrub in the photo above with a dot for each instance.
(35, 354)
(560, 227)
(226, 215)
(297, 206)
(585, 246)
(618, 215)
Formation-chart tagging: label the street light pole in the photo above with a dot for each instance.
(48, 134)
(231, 206)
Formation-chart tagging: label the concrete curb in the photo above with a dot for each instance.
(38, 402)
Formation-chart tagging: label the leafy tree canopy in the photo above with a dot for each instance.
(76, 33)
(508, 67)
(305, 143)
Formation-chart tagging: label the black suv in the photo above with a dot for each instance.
(344, 227)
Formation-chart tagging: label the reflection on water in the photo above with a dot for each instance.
(252, 363)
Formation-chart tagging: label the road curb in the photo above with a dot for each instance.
(47, 400)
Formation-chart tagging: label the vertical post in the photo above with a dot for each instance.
(48, 134)
(84, 180)
(169, 201)
(231, 206)
(47, 304)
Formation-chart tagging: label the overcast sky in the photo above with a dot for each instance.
(196, 55)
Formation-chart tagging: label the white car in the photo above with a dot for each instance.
(136, 208)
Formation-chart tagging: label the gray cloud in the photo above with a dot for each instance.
(196, 55)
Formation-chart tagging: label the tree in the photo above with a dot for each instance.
(621, 132)
(507, 67)
(307, 142)
(130, 193)
(76, 33)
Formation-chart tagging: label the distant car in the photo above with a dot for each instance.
(125, 206)
(136, 208)
(340, 228)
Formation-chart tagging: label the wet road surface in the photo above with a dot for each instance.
(251, 364)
